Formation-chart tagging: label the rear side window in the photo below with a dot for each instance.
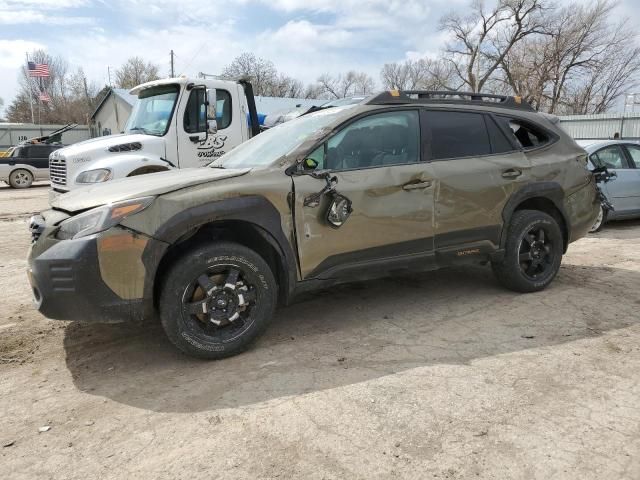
(634, 153)
(524, 134)
(457, 134)
(36, 152)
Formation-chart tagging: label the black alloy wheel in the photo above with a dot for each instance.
(536, 253)
(533, 251)
(219, 301)
(216, 299)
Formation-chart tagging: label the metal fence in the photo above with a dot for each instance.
(13, 133)
(603, 126)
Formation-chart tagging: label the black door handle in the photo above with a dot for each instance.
(416, 185)
(194, 138)
(511, 173)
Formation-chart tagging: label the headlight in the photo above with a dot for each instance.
(101, 218)
(94, 176)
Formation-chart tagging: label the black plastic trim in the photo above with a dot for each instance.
(359, 261)
(550, 190)
(255, 210)
(68, 286)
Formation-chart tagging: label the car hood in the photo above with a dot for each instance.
(140, 186)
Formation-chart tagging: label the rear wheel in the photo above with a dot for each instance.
(20, 178)
(533, 252)
(217, 299)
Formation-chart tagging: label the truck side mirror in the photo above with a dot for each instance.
(212, 126)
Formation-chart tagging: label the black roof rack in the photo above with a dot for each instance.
(395, 97)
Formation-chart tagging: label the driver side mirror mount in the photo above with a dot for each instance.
(210, 103)
(339, 210)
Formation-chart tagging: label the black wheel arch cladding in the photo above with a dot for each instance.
(536, 196)
(254, 211)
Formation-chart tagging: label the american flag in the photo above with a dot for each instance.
(44, 97)
(38, 69)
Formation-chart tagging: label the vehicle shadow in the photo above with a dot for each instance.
(351, 334)
(620, 229)
(36, 185)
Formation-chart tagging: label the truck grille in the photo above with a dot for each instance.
(58, 171)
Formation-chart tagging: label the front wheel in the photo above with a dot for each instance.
(20, 178)
(533, 252)
(217, 299)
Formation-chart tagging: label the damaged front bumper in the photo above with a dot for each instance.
(90, 279)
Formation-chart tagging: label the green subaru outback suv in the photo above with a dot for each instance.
(401, 182)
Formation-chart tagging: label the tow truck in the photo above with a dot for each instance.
(175, 123)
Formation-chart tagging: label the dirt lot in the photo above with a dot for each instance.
(443, 375)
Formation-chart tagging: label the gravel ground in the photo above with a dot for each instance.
(444, 375)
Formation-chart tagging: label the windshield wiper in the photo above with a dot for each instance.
(141, 129)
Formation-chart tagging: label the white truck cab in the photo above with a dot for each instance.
(175, 123)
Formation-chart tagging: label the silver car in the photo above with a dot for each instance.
(621, 157)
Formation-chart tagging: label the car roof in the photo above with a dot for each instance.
(593, 145)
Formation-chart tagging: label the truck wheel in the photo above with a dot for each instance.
(533, 252)
(217, 299)
(20, 178)
(600, 220)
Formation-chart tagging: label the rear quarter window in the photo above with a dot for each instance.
(526, 135)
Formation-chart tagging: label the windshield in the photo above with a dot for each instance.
(278, 141)
(152, 112)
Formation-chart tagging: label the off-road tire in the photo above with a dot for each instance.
(596, 227)
(191, 337)
(510, 271)
(20, 178)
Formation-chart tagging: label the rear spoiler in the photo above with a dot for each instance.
(552, 118)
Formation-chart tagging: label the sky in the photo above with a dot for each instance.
(304, 38)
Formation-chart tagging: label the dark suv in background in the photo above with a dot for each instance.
(401, 182)
(26, 164)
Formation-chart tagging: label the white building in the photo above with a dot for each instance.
(13, 133)
(602, 126)
(112, 113)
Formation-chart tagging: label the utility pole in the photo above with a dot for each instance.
(172, 72)
(26, 73)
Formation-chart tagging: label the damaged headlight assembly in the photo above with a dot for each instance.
(100, 219)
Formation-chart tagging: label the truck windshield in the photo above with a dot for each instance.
(278, 141)
(152, 112)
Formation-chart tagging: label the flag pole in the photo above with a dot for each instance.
(26, 73)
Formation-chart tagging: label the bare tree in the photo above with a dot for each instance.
(264, 76)
(484, 37)
(425, 74)
(136, 71)
(71, 95)
(582, 65)
(346, 85)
